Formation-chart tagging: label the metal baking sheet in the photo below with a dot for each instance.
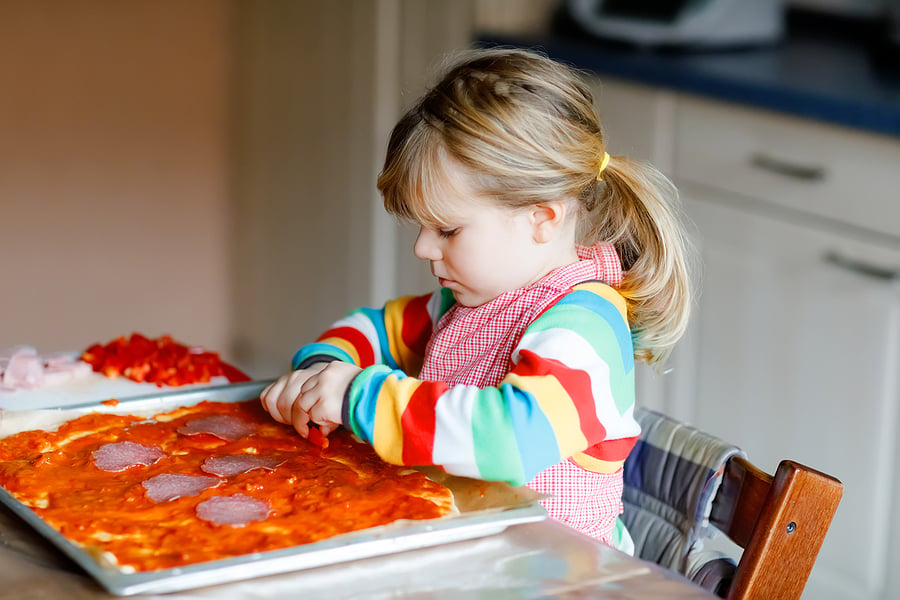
(495, 512)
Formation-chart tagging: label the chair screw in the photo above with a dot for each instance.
(791, 527)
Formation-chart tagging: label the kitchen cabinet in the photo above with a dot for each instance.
(794, 347)
(796, 356)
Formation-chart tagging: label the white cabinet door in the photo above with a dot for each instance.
(797, 355)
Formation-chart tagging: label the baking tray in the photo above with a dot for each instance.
(481, 514)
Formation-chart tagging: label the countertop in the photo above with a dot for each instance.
(539, 560)
(816, 73)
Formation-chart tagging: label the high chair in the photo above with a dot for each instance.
(680, 482)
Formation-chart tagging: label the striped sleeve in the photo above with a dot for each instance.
(394, 335)
(570, 393)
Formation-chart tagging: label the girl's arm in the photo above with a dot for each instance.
(570, 390)
(394, 336)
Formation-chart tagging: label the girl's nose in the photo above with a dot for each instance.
(426, 246)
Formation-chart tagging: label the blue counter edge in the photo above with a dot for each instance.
(846, 105)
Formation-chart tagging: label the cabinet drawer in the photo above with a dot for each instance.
(836, 173)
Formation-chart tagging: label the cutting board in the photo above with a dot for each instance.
(92, 388)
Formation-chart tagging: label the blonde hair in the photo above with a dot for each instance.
(526, 128)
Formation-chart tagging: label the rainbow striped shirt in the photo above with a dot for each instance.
(569, 391)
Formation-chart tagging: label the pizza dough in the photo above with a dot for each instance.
(205, 482)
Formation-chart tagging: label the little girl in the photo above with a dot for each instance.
(558, 265)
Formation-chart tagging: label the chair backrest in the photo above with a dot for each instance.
(779, 521)
(680, 481)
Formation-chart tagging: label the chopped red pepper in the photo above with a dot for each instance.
(162, 361)
(315, 437)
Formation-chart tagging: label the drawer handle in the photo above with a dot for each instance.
(788, 169)
(860, 267)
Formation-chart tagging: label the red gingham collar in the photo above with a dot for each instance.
(473, 345)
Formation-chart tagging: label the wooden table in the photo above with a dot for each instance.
(542, 559)
(535, 560)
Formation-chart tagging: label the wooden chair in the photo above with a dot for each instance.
(779, 521)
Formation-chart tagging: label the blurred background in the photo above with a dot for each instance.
(206, 169)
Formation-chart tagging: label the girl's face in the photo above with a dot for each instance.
(485, 249)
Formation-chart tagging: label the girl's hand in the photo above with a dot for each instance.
(279, 398)
(315, 394)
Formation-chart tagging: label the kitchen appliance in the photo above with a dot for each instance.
(693, 23)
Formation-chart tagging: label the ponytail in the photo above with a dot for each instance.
(635, 207)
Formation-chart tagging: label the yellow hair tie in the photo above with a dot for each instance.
(603, 164)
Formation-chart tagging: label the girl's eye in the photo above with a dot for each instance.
(448, 233)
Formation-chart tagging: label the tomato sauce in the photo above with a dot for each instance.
(316, 493)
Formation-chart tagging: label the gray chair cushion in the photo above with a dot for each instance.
(671, 478)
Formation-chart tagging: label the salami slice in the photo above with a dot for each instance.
(237, 510)
(222, 426)
(165, 487)
(119, 456)
(225, 466)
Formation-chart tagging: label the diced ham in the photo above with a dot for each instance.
(222, 426)
(165, 487)
(60, 369)
(118, 456)
(225, 466)
(236, 510)
(24, 370)
(60, 360)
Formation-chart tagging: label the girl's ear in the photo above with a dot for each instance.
(546, 220)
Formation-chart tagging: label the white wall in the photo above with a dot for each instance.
(205, 168)
(113, 171)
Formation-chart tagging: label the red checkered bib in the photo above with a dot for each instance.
(474, 345)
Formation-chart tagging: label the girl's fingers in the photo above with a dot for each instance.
(300, 420)
(289, 396)
(301, 397)
(310, 384)
(270, 397)
(317, 408)
(326, 428)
